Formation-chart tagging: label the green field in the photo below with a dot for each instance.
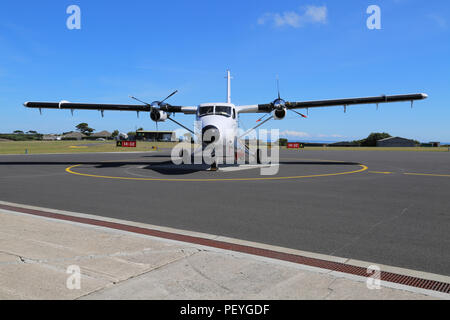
(41, 147)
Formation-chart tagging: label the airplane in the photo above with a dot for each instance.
(218, 122)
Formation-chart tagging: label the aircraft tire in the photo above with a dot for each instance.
(258, 156)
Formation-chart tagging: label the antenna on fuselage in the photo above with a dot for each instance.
(228, 86)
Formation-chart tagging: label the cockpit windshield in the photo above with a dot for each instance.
(204, 111)
(223, 111)
(217, 110)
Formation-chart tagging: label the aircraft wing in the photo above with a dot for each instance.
(110, 107)
(332, 103)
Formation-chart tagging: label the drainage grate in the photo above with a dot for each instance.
(312, 262)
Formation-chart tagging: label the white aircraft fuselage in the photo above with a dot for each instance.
(227, 124)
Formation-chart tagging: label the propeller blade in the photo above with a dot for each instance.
(300, 114)
(278, 87)
(147, 104)
(159, 102)
(134, 98)
(169, 96)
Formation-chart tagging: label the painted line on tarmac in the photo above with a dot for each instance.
(379, 172)
(399, 278)
(427, 174)
(71, 171)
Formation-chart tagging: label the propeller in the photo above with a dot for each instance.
(158, 104)
(280, 104)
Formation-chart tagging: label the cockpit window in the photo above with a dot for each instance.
(223, 111)
(218, 110)
(203, 111)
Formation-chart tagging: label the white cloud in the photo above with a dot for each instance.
(330, 136)
(308, 15)
(316, 14)
(300, 134)
(296, 134)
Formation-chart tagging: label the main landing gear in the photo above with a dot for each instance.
(214, 167)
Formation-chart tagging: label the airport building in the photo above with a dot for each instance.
(157, 136)
(51, 137)
(101, 135)
(73, 136)
(394, 142)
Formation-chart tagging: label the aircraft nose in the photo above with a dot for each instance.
(210, 134)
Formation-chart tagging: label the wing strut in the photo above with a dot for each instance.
(254, 128)
(181, 125)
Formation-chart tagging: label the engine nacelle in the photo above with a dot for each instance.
(158, 116)
(279, 114)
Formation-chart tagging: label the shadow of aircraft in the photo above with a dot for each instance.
(161, 167)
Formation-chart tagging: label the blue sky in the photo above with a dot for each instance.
(319, 49)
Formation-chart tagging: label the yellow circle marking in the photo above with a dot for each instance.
(69, 170)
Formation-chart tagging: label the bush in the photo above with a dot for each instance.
(282, 142)
(21, 137)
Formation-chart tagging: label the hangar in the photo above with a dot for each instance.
(102, 135)
(396, 142)
(73, 136)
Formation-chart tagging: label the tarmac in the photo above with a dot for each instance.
(386, 207)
